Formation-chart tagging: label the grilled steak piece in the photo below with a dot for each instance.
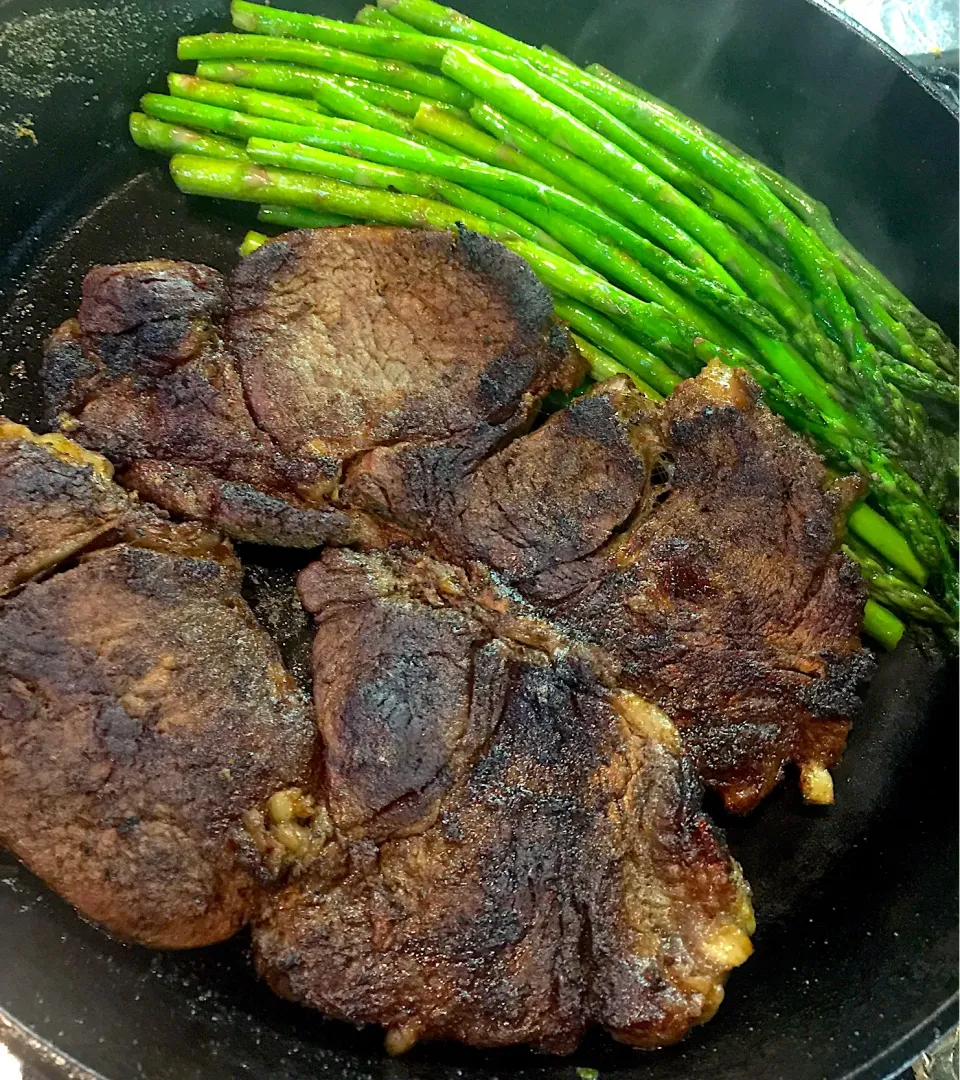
(142, 711)
(724, 598)
(55, 499)
(519, 850)
(243, 404)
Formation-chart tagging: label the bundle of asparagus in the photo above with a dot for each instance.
(664, 245)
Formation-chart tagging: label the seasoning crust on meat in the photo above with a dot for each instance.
(240, 403)
(518, 850)
(143, 710)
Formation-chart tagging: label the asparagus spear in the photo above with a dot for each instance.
(604, 366)
(153, 134)
(253, 183)
(291, 217)
(882, 625)
(339, 61)
(256, 103)
(893, 590)
(602, 333)
(373, 41)
(872, 527)
(659, 210)
(738, 308)
(471, 140)
(617, 266)
(302, 82)
(252, 241)
(373, 16)
(925, 333)
(365, 174)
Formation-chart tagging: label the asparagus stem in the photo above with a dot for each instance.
(255, 102)
(915, 381)
(925, 334)
(640, 362)
(618, 266)
(302, 82)
(882, 625)
(404, 102)
(667, 167)
(341, 100)
(253, 183)
(293, 217)
(373, 41)
(738, 309)
(252, 241)
(153, 134)
(469, 139)
(374, 16)
(289, 50)
(644, 198)
(364, 174)
(893, 590)
(872, 527)
(604, 366)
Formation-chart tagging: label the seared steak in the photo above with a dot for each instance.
(55, 499)
(241, 405)
(142, 712)
(723, 594)
(518, 850)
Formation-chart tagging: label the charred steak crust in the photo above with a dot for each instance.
(517, 850)
(56, 499)
(726, 597)
(242, 404)
(142, 712)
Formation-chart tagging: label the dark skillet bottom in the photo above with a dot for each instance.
(856, 904)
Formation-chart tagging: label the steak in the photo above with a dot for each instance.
(518, 851)
(243, 404)
(698, 544)
(56, 499)
(143, 711)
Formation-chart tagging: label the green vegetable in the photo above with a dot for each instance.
(893, 590)
(340, 61)
(291, 217)
(469, 139)
(882, 625)
(373, 41)
(252, 241)
(170, 139)
(253, 183)
(374, 16)
(866, 523)
(255, 102)
(603, 366)
(365, 174)
(640, 362)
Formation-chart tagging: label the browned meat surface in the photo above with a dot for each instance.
(242, 405)
(55, 499)
(142, 712)
(725, 598)
(517, 852)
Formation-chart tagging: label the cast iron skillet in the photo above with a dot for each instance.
(855, 968)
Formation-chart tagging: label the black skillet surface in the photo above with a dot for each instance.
(855, 968)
